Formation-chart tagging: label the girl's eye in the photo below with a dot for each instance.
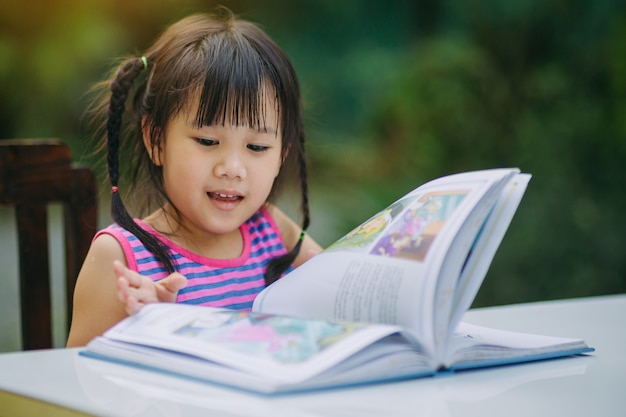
(206, 142)
(258, 148)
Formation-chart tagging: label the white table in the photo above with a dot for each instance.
(60, 382)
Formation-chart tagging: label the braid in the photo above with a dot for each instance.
(304, 185)
(120, 88)
(277, 266)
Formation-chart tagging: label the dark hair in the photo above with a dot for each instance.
(229, 64)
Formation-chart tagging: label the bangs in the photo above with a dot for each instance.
(238, 86)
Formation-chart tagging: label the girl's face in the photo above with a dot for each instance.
(218, 176)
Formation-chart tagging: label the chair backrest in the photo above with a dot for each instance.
(33, 174)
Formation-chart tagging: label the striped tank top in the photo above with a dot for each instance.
(230, 283)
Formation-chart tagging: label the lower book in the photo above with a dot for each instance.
(271, 354)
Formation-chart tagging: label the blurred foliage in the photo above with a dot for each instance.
(396, 93)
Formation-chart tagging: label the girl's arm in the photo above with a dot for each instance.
(107, 291)
(96, 305)
(290, 232)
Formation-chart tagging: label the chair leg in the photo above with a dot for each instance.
(35, 298)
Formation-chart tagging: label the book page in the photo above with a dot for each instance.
(357, 287)
(287, 348)
(485, 246)
(474, 346)
(482, 190)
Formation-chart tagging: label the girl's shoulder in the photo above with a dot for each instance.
(113, 230)
(125, 238)
(116, 235)
(288, 230)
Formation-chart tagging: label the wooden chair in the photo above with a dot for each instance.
(33, 174)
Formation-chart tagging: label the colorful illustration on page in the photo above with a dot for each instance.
(412, 234)
(367, 233)
(282, 339)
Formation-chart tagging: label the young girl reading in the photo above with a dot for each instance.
(216, 126)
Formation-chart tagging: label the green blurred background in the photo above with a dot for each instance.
(396, 93)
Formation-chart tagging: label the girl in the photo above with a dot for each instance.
(216, 126)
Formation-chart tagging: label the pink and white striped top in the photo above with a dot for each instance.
(230, 283)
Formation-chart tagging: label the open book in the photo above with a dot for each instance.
(384, 302)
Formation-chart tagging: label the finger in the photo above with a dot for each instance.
(121, 289)
(119, 268)
(132, 305)
(122, 271)
(175, 282)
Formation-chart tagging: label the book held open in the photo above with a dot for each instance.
(384, 302)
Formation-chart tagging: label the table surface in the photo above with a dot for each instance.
(60, 382)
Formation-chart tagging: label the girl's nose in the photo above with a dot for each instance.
(231, 166)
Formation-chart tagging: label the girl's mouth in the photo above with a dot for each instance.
(230, 198)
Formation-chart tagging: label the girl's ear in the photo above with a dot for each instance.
(153, 151)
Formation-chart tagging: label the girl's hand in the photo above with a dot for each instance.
(136, 290)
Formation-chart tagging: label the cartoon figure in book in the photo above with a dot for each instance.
(366, 233)
(413, 234)
(283, 339)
